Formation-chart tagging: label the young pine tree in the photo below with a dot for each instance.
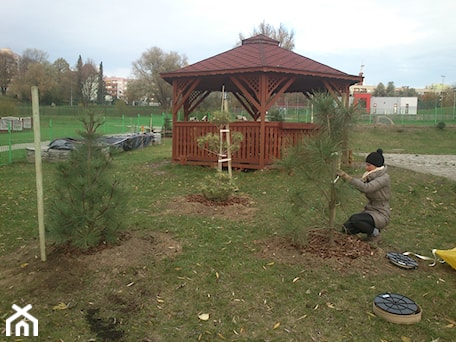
(86, 210)
(319, 156)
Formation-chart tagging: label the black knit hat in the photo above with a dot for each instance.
(376, 158)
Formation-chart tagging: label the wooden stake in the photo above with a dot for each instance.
(38, 170)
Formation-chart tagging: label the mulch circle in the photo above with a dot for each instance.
(231, 201)
(347, 246)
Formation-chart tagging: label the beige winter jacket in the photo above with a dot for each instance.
(377, 188)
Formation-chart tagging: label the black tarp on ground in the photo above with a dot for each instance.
(125, 142)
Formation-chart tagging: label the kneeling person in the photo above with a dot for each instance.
(375, 185)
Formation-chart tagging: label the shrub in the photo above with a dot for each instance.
(441, 125)
(219, 187)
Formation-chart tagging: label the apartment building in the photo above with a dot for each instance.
(116, 88)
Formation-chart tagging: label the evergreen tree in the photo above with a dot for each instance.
(380, 90)
(86, 210)
(318, 158)
(101, 85)
(79, 78)
(407, 92)
(390, 89)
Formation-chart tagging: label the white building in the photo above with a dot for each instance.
(394, 105)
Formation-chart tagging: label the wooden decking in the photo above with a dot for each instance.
(251, 154)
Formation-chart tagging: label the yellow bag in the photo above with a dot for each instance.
(448, 255)
(440, 255)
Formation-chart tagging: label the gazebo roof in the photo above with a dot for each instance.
(261, 54)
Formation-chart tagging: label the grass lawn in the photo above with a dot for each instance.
(185, 272)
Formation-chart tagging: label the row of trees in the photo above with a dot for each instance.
(61, 84)
(391, 91)
(436, 97)
(57, 81)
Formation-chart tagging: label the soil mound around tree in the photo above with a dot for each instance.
(347, 254)
(237, 208)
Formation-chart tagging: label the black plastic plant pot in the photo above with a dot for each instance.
(396, 308)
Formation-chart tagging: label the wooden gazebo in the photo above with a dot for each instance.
(256, 73)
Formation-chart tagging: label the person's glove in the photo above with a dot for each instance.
(345, 176)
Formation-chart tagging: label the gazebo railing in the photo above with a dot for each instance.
(278, 135)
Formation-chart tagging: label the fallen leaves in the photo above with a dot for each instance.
(269, 264)
(204, 316)
(452, 323)
(331, 305)
(60, 306)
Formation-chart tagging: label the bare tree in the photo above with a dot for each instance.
(33, 56)
(286, 38)
(89, 83)
(147, 71)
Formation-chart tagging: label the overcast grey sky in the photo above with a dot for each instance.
(409, 42)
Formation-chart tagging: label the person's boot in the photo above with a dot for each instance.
(374, 239)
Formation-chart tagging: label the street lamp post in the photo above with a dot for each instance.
(441, 95)
(454, 101)
(435, 104)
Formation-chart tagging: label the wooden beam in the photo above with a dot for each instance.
(186, 91)
(247, 106)
(245, 91)
(198, 99)
(332, 90)
(281, 91)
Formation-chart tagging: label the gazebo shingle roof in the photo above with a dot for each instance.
(259, 53)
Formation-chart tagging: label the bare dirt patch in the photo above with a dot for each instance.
(68, 265)
(236, 208)
(105, 284)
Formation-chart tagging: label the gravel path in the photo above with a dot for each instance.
(437, 165)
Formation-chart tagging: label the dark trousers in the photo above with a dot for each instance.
(360, 223)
